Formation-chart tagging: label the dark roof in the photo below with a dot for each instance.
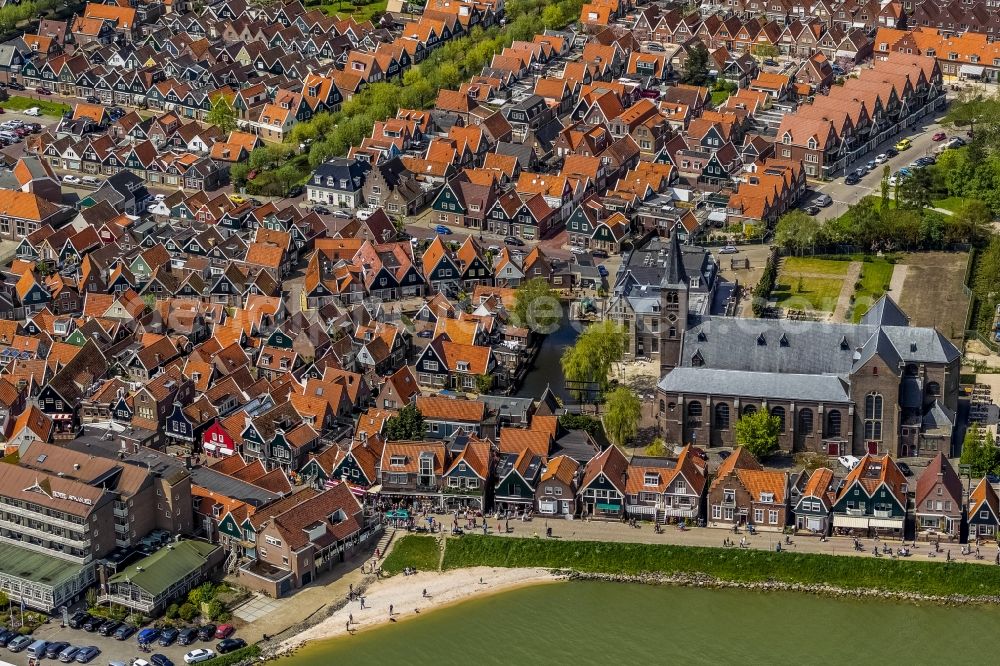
(674, 274)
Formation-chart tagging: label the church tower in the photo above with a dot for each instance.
(674, 287)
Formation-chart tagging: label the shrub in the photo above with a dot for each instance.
(172, 611)
(188, 611)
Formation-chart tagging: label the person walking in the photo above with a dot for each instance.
(390, 610)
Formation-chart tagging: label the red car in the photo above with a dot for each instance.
(940, 136)
(224, 631)
(43, 91)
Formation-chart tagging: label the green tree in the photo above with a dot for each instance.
(657, 448)
(172, 611)
(797, 231)
(622, 411)
(765, 51)
(758, 433)
(981, 455)
(407, 424)
(215, 610)
(222, 114)
(591, 359)
(885, 204)
(697, 66)
(187, 611)
(552, 16)
(971, 222)
(915, 190)
(536, 306)
(484, 383)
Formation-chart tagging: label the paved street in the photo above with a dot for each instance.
(843, 194)
(584, 530)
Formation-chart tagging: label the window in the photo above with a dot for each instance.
(780, 413)
(767, 498)
(933, 388)
(749, 409)
(805, 421)
(758, 515)
(650, 479)
(431, 366)
(694, 410)
(772, 517)
(873, 416)
(833, 423)
(722, 416)
(716, 512)
(271, 540)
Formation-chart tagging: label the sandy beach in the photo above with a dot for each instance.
(406, 594)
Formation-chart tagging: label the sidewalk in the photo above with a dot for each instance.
(582, 530)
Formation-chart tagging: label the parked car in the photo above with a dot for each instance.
(811, 210)
(443, 230)
(206, 632)
(903, 144)
(71, 179)
(849, 462)
(364, 213)
(187, 636)
(599, 254)
(725, 454)
(14, 85)
(224, 631)
(33, 111)
(109, 627)
(881, 158)
(939, 136)
(322, 210)
(168, 636)
(6, 636)
(230, 644)
(68, 653)
(199, 655)
(92, 624)
(770, 62)
(852, 179)
(296, 191)
(729, 249)
(824, 200)
(20, 643)
(87, 654)
(53, 649)
(602, 270)
(43, 91)
(124, 632)
(160, 660)
(148, 635)
(76, 622)
(93, 100)
(91, 180)
(891, 152)
(513, 240)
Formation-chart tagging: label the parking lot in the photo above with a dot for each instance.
(111, 649)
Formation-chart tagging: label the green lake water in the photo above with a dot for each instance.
(613, 625)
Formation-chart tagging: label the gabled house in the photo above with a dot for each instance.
(604, 486)
(873, 498)
(938, 500)
(812, 509)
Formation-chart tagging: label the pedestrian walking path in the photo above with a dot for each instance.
(584, 530)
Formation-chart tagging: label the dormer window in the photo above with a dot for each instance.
(397, 461)
(767, 498)
(651, 479)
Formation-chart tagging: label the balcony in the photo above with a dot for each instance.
(121, 513)
(43, 534)
(855, 512)
(729, 502)
(882, 513)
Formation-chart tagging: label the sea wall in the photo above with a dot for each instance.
(706, 581)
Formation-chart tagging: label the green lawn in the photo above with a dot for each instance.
(719, 96)
(949, 203)
(16, 103)
(360, 11)
(807, 293)
(931, 578)
(829, 267)
(875, 277)
(419, 552)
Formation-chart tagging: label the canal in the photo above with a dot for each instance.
(547, 370)
(582, 623)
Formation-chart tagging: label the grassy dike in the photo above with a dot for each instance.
(418, 552)
(733, 565)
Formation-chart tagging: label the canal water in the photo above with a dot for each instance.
(547, 371)
(580, 623)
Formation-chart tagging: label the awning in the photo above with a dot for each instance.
(972, 70)
(208, 446)
(850, 521)
(226, 452)
(609, 507)
(641, 509)
(891, 523)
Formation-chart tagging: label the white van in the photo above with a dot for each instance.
(37, 649)
(33, 111)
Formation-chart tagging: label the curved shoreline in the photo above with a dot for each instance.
(453, 587)
(406, 594)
